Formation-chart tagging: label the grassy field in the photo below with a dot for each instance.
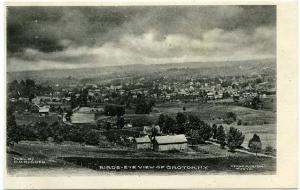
(73, 157)
(209, 112)
(52, 151)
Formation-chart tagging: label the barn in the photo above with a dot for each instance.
(143, 143)
(166, 143)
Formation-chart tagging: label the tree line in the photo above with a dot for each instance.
(199, 131)
(234, 139)
(192, 126)
(26, 88)
(56, 132)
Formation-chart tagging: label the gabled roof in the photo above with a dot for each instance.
(171, 139)
(141, 140)
(44, 109)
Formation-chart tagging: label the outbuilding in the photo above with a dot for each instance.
(44, 110)
(143, 143)
(166, 143)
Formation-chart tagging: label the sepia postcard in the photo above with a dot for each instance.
(150, 95)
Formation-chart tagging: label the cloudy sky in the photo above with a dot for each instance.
(73, 37)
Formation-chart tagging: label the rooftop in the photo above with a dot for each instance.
(144, 139)
(171, 139)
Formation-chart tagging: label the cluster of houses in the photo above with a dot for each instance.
(44, 104)
(40, 110)
(194, 89)
(208, 89)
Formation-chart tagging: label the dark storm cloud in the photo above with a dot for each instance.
(113, 34)
(44, 28)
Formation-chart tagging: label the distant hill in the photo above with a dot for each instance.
(169, 69)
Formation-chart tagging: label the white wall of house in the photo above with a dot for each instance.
(166, 147)
(144, 146)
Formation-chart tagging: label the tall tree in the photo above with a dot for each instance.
(194, 135)
(120, 122)
(255, 144)
(161, 120)
(169, 125)
(194, 120)
(205, 132)
(214, 131)
(181, 118)
(220, 136)
(235, 138)
(256, 102)
(13, 133)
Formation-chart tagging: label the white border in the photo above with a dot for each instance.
(287, 70)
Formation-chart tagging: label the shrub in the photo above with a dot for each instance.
(76, 135)
(28, 132)
(269, 150)
(229, 120)
(43, 131)
(231, 115)
(58, 139)
(92, 138)
(173, 151)
(239, 122)
(113, 110)
(112, 137)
